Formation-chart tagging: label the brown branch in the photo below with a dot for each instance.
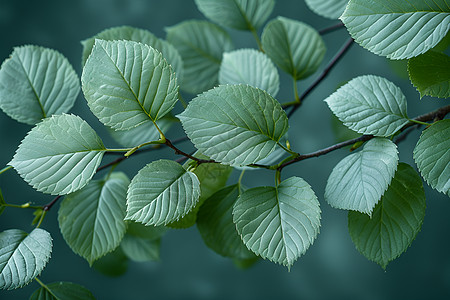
(331, 28)
(180, 152)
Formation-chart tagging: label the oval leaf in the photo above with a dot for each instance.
(59, 155)
(23, 256)
(278, 223)
(395, 221)
(62, 291)
(113, 264)
(36, 83)
(162, 192)
(140, 249)
(331, 9)
(295, 47)
(252, 67)
(397, 29)
(432, 156)
(128, 83)
(370, 105)
(360, 179)
(235, 124)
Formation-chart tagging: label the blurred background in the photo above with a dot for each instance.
(331, 269)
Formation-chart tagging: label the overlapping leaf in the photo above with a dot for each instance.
(62, 291)
(112, 264)
(140, 249)
(397, 29)
(235, 124)
(59, 155)
(35, 83)
(331, 9)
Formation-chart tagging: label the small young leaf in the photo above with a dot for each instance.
(331, 9)
(162, 192)
(278, 223)
(128, 83)
(370, 105)
(360, 179)
(36, 83)
(59, 155)
(395, 221)
(432, 156)
(295, 47)
(62, 291)
(200, 45)
(140, 249)
(252, 67)
(23, 256)
(91, 219)
(238, 14)
(113, 264)
(235, 124)
(430, 74)
(377, 25)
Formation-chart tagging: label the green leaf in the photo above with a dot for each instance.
(143, 36)
(238, 14)
(430, 74)
(23, 256)
(370, 105)
(146, 232)
(432, 156)
(252, 67)
(200, 45)
(331, 9)
(36, 83)
(2, 203)
(59, 155)
(91, 219)
(128, 83)
(295, 47)
(235, 124)
(215, 224)
(162, 192)
(113, 264)
(397, 29)
(279, 223)
(395, 221)
(140, 249)
(341, 132)
(360, 179)
(62, 291)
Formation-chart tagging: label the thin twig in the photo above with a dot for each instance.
(331, 28)
(180, 152)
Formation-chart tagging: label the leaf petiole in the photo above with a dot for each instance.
(5, 169)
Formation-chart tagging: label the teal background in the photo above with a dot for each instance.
(331, 269)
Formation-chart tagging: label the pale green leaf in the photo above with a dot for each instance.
(23, 256)
(295, 47)
(279, 223)
(341, 132)
(146, 232)
(59, 155)
(62, 291)
(128, 83)
(370, 105)
(201, 45)
(91, 219)
(397, 29)
(141, 249)
(235, 124)
(252, 67)
(238, 14)
(162, 192)
(331, 9)
(430, 74)
(113, 264)
(432, 156)
(359, 180)
(35, 83)
(395, 221)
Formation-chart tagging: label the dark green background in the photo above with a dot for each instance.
(331, 269)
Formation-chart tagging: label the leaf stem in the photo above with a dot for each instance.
(44, 212)
(45, 287)
(287, 150)
(296, 97)
(182, 100)
(258, 41)
(132, 150)
(25, 205)
(331, 28)
(5, 169)
(419, 122)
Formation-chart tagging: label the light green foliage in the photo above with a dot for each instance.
(201, 45)
(370, 105)
(59, 155)
(234, 124)
(252, 67)
(395, 221)
(432, 156)
(62, 291)
(162, 192)
(23, 256)
(279, 223)
(430, 74)
(360, 179)
(91, 219)
(128, 83)
(397, 29)
(40, 80)
(331, 9)
(294, 47)
(238, 14)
